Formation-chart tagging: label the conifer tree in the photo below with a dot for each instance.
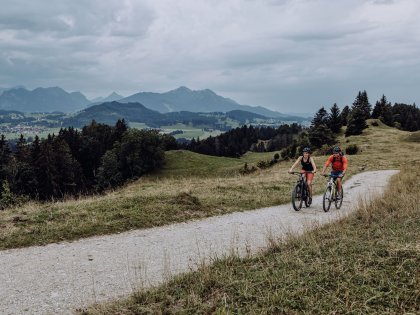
(320, 133)
(356, 122)
(334, 121)
(362, 102)
(344, 115)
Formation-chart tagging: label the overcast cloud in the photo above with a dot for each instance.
(286, 55)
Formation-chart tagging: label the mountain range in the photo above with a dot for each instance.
(55, 99)
(110, 112)
(52, 99)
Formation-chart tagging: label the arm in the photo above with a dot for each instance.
(327, 164)
(345, 163)
(313, 164)
(294, 165)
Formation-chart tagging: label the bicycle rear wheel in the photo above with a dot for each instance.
(326, 199)
(297, 198)
(339, 198)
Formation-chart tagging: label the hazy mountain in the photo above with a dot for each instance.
(42, 100)
(110, 98)
(110, 112)
(184, 99)
(2, 89)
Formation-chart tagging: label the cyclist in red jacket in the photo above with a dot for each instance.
(338, 164)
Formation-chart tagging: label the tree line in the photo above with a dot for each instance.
(77, 162)
(325, 125)
(238, 141)
(323, 131)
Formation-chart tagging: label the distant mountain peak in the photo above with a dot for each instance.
(182, 89)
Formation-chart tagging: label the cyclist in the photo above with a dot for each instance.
(339, 166)
(308, 166)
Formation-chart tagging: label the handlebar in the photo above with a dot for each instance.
(298, 173)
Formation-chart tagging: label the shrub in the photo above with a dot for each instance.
(247, 170)
(325, 150)
(8, 198)
(352, 149)
(263, 164)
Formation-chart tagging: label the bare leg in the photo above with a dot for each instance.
(309, 183)
(338, 184)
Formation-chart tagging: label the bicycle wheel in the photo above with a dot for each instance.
(339, 198)
(306, 197)
(297, 198)
(326, 199)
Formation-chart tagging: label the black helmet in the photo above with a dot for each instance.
(336, 150)
(307, 150)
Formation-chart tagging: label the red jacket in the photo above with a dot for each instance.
(339, 164)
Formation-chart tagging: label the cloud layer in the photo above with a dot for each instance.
(288, 55)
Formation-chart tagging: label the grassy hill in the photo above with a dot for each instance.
(191, 186)
(367, 263)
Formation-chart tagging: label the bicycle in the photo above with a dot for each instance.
(331, 194)
(300, 192)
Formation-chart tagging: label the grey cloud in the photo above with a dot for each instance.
(383, 1)
(70, 18)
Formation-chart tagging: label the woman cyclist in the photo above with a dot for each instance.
(308, 166)
(339, 167)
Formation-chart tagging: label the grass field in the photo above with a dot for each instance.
(367, 263)
(190, 186)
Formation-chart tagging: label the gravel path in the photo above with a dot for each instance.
(58, 278)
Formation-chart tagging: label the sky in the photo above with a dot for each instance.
(293, 56)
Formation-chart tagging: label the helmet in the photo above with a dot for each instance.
(336, 150)
(307, 150)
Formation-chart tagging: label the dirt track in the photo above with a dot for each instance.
(58, 278)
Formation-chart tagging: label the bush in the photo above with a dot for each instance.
(352, 149)
(247, 170)
(9, 199)
(325, 150)
(263, 164)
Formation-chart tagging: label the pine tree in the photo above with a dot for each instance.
(356, 122)
(319, 132)
(379, 107)
(344, 115)
(362, 102)
(334, 121)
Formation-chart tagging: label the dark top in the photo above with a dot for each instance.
(307, 166)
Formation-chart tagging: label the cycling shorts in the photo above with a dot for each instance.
(309, 176)
(336, 174)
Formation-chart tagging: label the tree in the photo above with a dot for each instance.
(344, 115)
(362, 102)
(379, 106)
(334, 121)
(356, 122)
(319, 132)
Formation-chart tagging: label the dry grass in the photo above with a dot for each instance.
(367, 263)
(213, 182)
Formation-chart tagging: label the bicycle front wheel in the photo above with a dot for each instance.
(297, 198)
(339, 198)
(326, 199)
